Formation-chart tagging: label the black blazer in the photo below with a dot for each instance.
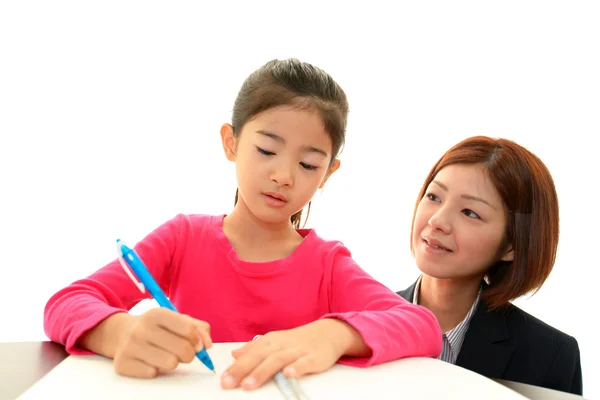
(516, 346)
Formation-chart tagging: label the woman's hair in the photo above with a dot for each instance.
(531, 204)
(299, 84)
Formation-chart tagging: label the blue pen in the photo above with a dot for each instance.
(128, 257)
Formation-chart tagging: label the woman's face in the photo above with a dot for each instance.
(459, 224)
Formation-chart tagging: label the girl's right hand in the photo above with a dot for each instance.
(157, 340)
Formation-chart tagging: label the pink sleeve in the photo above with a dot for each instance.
(83, 304)
(391, 326)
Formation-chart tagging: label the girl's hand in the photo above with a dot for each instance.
(157, 340)
(308, 349)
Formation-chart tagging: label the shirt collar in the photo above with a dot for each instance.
(455, 335)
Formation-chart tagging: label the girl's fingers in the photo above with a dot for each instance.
(129, 363)
(157, 357)
(237, 353)
(135, 368)
(271, 365)
(174, 344)
(307, 364)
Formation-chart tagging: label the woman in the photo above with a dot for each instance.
(485, 232)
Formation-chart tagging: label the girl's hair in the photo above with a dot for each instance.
(532, 221)
(299, 84)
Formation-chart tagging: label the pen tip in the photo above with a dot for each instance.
(214, 372)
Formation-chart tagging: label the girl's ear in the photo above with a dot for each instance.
(334, 167)
(228, 141)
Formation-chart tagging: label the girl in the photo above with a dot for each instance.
(485, 232)
(253, 271)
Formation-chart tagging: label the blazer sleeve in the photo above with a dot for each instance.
(565, 371)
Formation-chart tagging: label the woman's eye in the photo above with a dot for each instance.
(471, 213)
(432, 197)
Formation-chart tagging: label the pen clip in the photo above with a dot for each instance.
(126, 268)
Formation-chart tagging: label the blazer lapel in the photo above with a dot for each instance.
(487, 347)
(408, 293)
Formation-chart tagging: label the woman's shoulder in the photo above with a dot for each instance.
(534, 331)
(540, 354)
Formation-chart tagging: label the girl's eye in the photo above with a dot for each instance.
(265, 152)
(471, 214)
(308, 166)
(270, 153)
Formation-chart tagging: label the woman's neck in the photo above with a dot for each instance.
(449, 299)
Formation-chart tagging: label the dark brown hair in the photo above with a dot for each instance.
(299, 84)
(531, 203)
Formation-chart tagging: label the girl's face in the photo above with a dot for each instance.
(459, 224)
(282, 157)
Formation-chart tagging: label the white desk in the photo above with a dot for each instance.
(93, 377)
(538, 393)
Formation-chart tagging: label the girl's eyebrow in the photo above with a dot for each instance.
(280, 139)
(464, 196)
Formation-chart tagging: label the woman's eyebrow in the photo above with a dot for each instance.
(464, 196)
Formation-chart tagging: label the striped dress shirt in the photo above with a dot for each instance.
(453, 339)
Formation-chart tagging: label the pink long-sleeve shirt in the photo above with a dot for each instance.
(193, 261)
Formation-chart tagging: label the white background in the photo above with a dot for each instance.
(110, 114)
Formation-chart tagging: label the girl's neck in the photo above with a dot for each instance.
(245, 231)
(449, 299)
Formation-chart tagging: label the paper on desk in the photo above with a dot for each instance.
(93, 377)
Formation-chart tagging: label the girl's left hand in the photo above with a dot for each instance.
(310, 348)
